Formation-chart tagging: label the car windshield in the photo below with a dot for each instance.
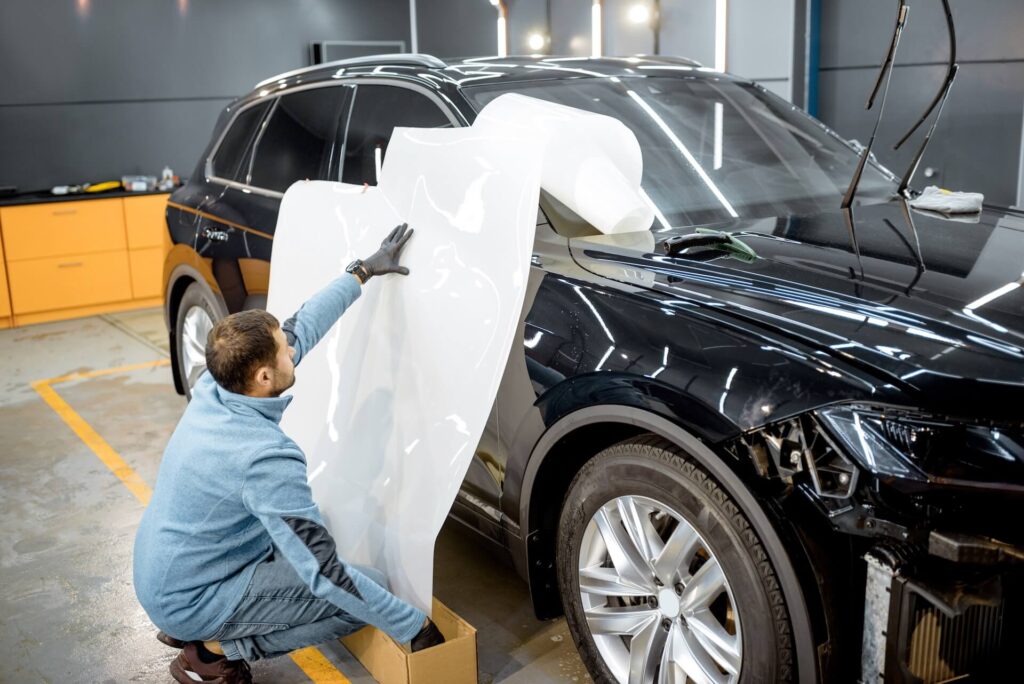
(716, 149)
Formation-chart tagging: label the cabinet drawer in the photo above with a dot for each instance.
(147, 272)
(145, 221)
(5, 300)
(67, 282)
(58, 228)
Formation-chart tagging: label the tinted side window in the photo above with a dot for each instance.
(377, 111)
(301, 139)
(227, 160)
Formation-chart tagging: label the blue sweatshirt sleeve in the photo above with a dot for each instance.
(314, 318)
(275, 490)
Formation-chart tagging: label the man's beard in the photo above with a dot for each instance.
(278, 391)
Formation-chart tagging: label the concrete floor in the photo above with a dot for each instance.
(67, 608)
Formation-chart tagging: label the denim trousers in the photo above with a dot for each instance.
(279, 614)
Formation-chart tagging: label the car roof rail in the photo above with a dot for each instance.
(396, 59)
(671, 59)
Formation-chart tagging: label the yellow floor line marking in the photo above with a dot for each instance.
(106, 371)
(317, 667)
(311, 661)
(124, 472)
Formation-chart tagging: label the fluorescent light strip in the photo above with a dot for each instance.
(502, 41)
(719, 111)
(595, 29)
(721, 11)
(414, 33)
(685, 152)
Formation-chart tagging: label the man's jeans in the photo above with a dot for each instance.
(279, 614)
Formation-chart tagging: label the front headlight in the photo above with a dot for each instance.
(911, 446)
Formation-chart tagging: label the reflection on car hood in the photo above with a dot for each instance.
(930, 305)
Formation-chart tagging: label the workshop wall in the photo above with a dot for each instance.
(456, 28)
(978, 141)
(96, 89)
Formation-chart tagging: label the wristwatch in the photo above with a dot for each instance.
(360, 271)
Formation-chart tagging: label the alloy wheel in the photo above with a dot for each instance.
(656, 600)
(194, 331)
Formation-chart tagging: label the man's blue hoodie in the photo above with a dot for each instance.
(231, 486)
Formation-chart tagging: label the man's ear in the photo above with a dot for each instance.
(264, 378)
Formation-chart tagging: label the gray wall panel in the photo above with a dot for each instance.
(976, 146)
(140, 50)
(526, 17)
(143, 65)
(978, 143)
(857, 32)
(570, 27)
(688, 29)
(621, 36)
(760, 38)
(457, 28)
(45, 146)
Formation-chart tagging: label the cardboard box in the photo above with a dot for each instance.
(453, 662)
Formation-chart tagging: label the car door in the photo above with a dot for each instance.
(380, 108)
(300, 136)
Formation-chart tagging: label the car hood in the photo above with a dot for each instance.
(929, 305)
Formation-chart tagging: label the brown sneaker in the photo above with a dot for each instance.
(166, 639)
(187, 668)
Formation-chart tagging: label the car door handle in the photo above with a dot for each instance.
(215, 235)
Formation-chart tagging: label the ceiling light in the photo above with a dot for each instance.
(640, 14)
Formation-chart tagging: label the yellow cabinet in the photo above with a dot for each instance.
(81, 257)
(66, 282)
(5, 299)
(147, 271)
(146, 221)
(51, 229)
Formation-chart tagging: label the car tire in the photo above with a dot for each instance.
(198, 311)
(743, 624)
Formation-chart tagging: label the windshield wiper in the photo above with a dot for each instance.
(938, 101)
(884, 74)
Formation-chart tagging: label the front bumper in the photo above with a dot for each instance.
(930, 617)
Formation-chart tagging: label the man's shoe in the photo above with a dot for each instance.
(166, 639)
(188, 668)
(426, 637)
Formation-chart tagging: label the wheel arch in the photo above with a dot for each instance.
(181, 276)
(579, 436)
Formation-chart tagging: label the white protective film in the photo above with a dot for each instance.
(391, 404)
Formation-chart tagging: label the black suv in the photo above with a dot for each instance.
(766, 440)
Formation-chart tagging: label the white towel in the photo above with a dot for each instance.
(945, 201)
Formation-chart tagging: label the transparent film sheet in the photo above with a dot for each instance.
(391, 404)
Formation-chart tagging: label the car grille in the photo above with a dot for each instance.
(939, 647)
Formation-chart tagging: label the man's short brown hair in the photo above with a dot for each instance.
(238, 346)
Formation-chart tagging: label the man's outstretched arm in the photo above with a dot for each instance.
(312, 321)
(276, 492)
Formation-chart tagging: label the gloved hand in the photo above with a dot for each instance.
(428, 636)
(385, 259)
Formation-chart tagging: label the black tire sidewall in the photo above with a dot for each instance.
(626, 470)
(196, 294)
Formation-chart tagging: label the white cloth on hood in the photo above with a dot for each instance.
(945, 201)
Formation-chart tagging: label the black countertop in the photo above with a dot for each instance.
(45, 197)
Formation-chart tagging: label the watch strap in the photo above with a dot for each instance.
(359, 270)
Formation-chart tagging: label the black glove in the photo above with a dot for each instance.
(385, 259)
(427, 637)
